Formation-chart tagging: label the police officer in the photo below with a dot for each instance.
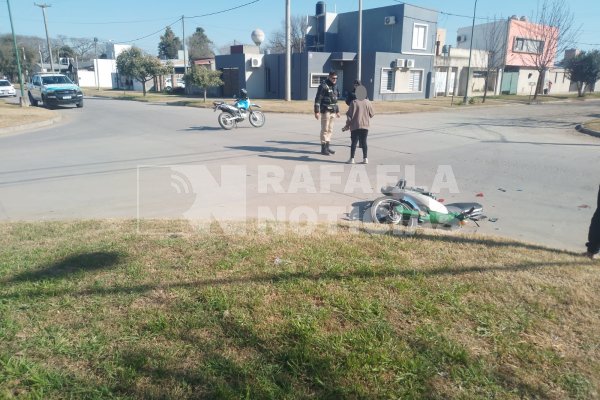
(326, 105)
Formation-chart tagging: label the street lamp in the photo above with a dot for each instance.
(22, 99)
(96, 63)
(288, 51)
(43, 7)
(466, 98)
(359, 55)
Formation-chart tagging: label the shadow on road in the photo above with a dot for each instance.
(270, 149)
(201, 128)
(304, 158)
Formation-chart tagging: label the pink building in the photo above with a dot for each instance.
(526, 44)
(516, 48)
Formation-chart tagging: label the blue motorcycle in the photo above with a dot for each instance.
(231, 114)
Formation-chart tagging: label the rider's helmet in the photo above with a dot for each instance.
(243, 94)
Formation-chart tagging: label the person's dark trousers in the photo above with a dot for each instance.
(593, 244)
(358, 135)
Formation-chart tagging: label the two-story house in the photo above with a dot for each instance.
(398, 47)
(517, 47)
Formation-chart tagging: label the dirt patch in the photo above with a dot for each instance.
(593, 125)
(14, 115)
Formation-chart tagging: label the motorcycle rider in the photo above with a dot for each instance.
(326, 105)
(242, 102)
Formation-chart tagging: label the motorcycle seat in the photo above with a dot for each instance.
(464, 207)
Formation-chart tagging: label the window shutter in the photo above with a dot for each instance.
(414, 83)
(386, 81)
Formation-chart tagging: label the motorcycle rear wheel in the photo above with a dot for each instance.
(226, 120)
(384, 210)
(257, 119)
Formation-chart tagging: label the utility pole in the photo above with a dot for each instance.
(96, 66)
(43, 7)
(22, 99)
(288, 51)
(359, 55)
(466, 98)
(184, 53)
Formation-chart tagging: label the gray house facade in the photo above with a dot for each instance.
(398, 49)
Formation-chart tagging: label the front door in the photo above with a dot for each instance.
(231, 82)
(509, 82)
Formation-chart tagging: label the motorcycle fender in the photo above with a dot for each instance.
(412, 203)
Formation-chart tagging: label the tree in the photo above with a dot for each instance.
(8, 64)
(66, 51)
(203, 77)
(298, 31)
(140, 66)
(493, 43)
(169, 45)
(83, 47)
(199, 45)
(551, 33)
(584, 70)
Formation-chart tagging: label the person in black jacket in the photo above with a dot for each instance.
(326, 106)
(352, 95)
(593, 244)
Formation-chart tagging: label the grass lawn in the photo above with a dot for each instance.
(95, 310)
(306, 106)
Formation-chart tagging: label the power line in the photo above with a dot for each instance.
(152, 34)
(180, 18)
(223, 11)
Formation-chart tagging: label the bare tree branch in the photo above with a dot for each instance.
(551, 32)
(277, 42)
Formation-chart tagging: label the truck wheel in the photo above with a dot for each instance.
(32, 101)
(48, 106)
(80, 104)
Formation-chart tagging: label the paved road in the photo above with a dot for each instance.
(119, 159)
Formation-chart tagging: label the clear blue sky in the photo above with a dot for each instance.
(128, 21)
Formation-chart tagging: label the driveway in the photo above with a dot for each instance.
(535, 175)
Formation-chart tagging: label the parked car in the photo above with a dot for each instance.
(53, 89)
(169, 84)
(6, 88)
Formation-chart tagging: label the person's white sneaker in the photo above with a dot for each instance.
(365, 161)
(350, 161)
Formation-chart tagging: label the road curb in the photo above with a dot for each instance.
(582, 129)
(34, 125)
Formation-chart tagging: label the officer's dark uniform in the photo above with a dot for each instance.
(326, 104)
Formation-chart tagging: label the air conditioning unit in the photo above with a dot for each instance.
(410, 63)
(399, 63)
(461, 38)
(255, 62)
(391, 20)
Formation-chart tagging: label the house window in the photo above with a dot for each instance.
(528, 46)
(316, 79)
(415, 81)
(387, 80)
(419, 41)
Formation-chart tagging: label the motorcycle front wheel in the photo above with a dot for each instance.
(226, 120)
(387, 210)
(257, 119)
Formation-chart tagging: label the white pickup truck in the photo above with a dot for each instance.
(52, 90)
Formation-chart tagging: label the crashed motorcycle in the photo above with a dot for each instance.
(231, 114)
(411, 207)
